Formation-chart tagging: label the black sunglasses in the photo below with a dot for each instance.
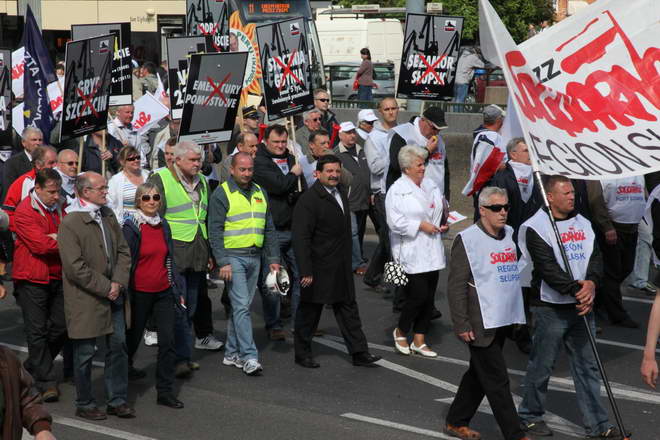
(498, 208)
(147, 197)
(323, 99)
(132, 158)
(314, 119)
(70, 163)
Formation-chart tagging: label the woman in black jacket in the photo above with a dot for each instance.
(153, 285)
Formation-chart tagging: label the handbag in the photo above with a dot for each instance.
(356, 85)
(393, 272)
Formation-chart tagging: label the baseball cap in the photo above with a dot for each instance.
(436, 116)
(493, 112)
(367, 115)
(346, 126)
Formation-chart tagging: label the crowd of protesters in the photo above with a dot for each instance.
(127, 251)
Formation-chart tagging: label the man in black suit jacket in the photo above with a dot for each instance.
(21, 163)
(322, 244)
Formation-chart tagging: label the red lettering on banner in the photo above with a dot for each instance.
(582, 105)
(523, 180)
(17, 71)
(572, 235)
(142, 120)
(56, 103)
(508, 256)
(629, 189)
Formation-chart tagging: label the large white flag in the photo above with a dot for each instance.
(587, 90)
(148, 111)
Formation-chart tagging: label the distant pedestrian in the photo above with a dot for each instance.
(365, 77)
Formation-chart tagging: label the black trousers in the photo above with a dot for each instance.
(161, 307)
(418, 304)
(348, 319)
(45, 328)
(618, 262)
(382, 252)
(203, 319)
(487, 376)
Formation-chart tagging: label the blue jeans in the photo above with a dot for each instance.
(460, 92)
(356, 250)
(116, 364)
(556, 328)
(640, 274)
(183, 322)
(271, 303)
(365, 93)
(244, 277)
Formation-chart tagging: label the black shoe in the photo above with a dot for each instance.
(365, 359)
(307, 362)
(627, 323)
(122, 411)
(536, 428)
(182, 370)
(91, 414)
(136, 374)
(612, 433)
(170, 401)
(436, 314)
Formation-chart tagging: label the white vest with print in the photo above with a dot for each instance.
(494, 266)
(578, 239)
(625, 199)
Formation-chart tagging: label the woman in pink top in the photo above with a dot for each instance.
(365, 77)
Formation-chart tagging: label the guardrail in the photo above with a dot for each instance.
(454, 107)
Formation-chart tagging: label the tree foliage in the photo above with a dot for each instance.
(516, 14)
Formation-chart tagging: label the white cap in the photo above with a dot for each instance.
(367, 115)
(346, 126)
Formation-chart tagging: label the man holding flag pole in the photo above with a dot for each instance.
(586, 93)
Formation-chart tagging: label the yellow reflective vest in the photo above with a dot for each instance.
(181, 214)
(246, 219)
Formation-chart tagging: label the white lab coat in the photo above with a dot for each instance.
(407, 205)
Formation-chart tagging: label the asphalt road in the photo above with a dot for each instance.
(404, 398)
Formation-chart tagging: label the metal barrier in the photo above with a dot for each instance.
(453, 107)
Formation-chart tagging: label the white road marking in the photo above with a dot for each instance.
(79, 424)
(636, 299)
(399, 426)
(556, 422)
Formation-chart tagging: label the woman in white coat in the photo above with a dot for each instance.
(122, 186)
(414, 211)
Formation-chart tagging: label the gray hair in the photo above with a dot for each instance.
(513, 143)
(185, 147)
(309, 113)
(408, 153)
(490, 191)
(143, 189)
(83, 181)
(28, 130)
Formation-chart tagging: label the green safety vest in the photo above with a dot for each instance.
(246, 219)
(181, 214)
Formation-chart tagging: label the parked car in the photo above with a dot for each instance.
(340, 78)
(487, 79)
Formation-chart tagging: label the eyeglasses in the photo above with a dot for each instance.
(71, 163)
(368, 122)
(323, 99)
(498, 208)
(132, 158)
(314, 119)
(148, 198)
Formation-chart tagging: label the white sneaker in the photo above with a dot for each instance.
(209, 342)
(150, 338)
(252, 367)
(233, 361)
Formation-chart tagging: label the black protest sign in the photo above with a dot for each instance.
(209, 18)
(285, 67)
(430, 56)
(179, 50)
(122, 69)
(213, 90)
(5, 97)
(87, 83)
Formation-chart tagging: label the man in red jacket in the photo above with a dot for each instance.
(37, 276)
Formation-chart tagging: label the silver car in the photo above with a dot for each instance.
(340, 78)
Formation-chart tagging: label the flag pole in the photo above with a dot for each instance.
(293, 147)
(103, 149)
(80, 153)
(592, 338)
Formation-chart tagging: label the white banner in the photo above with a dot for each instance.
(148, 111)
(17, 119)
(18, 71)
(55, 97)
(587, 90)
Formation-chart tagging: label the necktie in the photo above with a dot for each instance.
(337, 197)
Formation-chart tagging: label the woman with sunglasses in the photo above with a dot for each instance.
(153, 286)
(122, 186)
(414, 206)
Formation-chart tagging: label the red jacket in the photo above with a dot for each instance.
(36, 256)
(13, 196)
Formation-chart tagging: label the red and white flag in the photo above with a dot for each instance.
(148, 111)
(485, 162)
(161, 94)
(587, 90)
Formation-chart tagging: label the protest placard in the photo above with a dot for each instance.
(179, 50)
(209, 18)
(5, 98)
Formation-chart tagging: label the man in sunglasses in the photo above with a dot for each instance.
(365, 125)
(558, 303)
(311, 124)
(328, 118)
(485, 301)
(67, 168)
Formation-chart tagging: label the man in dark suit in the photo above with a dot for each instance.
(322, 244)
(21, 163)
